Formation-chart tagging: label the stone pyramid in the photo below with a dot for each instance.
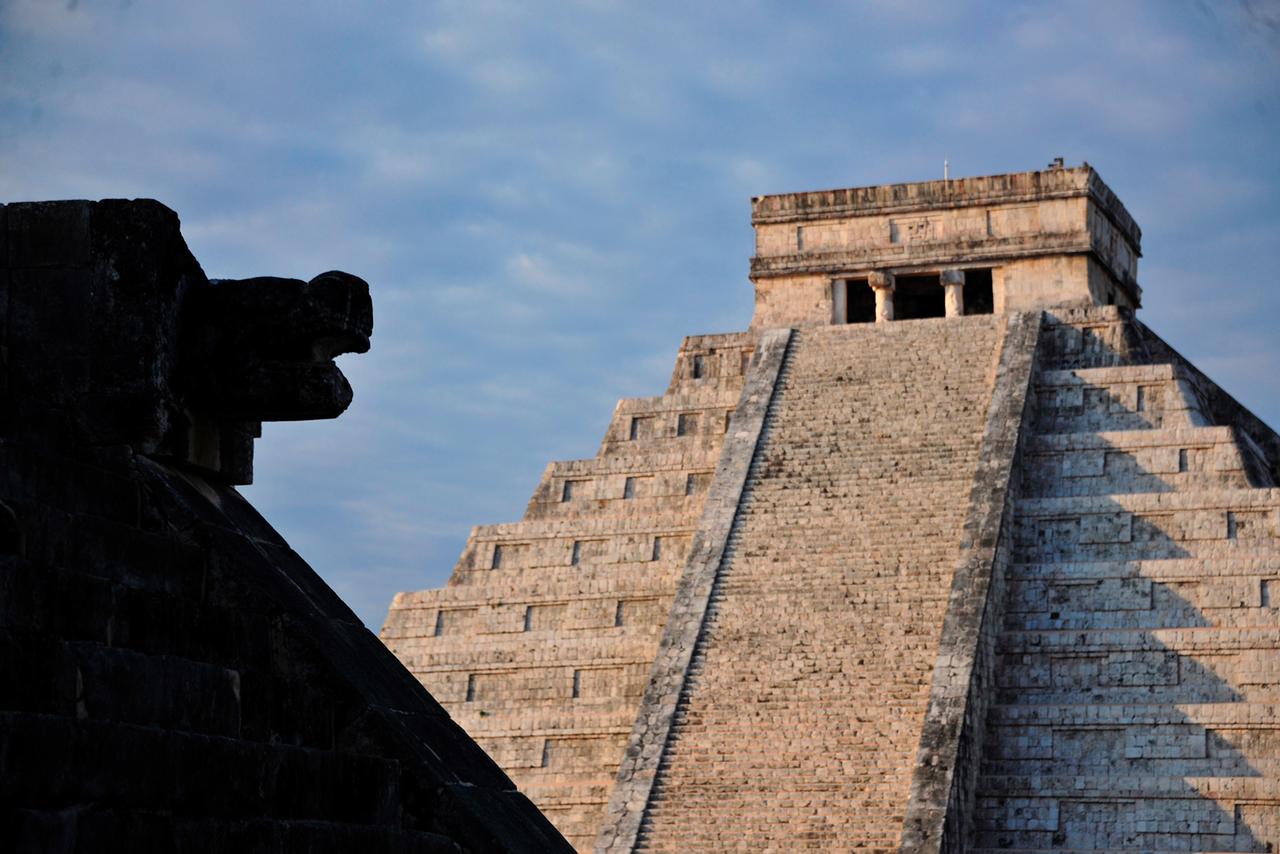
(948, 551)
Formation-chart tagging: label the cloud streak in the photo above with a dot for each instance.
(546, 197)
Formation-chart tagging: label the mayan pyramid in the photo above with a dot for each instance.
(948, 551)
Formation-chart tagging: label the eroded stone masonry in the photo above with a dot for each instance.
(173, 677)
(948, 551)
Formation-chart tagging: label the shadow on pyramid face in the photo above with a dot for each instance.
(1129, 709)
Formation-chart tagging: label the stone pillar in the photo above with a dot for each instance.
(953, 281)
(882, 283)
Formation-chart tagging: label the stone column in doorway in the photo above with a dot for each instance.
(953, 281)
(882, 283)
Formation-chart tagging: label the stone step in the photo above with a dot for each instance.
(1136, 602)
(1181, 615)
(589, 789)
(1184, 641)
(1042, 484)
(697, 443)
(630, 463)
(524, 646)
(1112, 741)
(782, 657)
(453, 665)
(708, 358)
(553, 757)
(1119, 666)
(1105, 756)
(565, 720)
(1145, 502)
(567, 724)
(623, 646)
(491, 628)
(1244, 563)
(1197, 688)
(1146, 525)
(653, 495)
(483, 584)
(1112, 375)
(1146, 571)
(494, 590)
(1131, 787)
(660, 415)
(475, 717)
(1106, 827)
(1128, 440)
(1085, 338)
(1146, 843)
(584, 542)
(560, 530)
(709, 394)
(574, 490)
(1179, 849)
(1154, 548)
(1133, 461)
(1227, 715)
(1133, 397)
(1180, 665)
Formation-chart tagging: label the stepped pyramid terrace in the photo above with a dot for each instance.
(948, 551)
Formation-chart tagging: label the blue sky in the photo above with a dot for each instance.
(546, 197)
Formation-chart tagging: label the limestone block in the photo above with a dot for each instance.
(1023, 743)
(1140, 701)
(1084, 464)
(1092, 745)
(1257, 667)
(1106, 528)
(1230, 593)
(1165, 742)
(1030, 814)
(1110, 594)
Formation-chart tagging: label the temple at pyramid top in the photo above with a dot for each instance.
(1000, 243)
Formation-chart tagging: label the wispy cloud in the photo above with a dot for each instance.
(546, 197)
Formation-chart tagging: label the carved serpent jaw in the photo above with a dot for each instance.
(269, 345)
(111, 336)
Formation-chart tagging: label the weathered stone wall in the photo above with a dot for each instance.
(1029, 284)
(802, 705)
(543, 640)
(800, 300)
(1136, 677)
(885, 237)
(1053, 237)
(176, 678)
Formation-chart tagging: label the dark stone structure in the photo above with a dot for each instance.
(175, 678)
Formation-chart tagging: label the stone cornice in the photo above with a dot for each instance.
(921, 255)
(1008, 189)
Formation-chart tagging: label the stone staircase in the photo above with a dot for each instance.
(541, 644)
(803, 701)
(1138, 659)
